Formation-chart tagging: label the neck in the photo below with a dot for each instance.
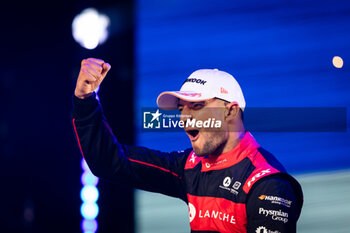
(233, 140)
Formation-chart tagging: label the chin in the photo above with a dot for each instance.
(198, 152)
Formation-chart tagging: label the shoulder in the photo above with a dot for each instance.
(274, 203)
(278, 182)
(277, 190)
(263, 164)
(270, 176)
(271, 159)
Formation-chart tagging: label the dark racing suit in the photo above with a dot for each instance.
(243, 190)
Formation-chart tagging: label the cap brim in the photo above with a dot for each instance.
(168, 100)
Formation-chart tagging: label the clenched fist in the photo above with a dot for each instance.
(92, 72)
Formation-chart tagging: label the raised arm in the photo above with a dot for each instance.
(143, 168)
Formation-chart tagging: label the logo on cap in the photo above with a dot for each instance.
(223, 90)
(195, 80)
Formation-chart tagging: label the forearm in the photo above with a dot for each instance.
(138, 166)
(96, 142)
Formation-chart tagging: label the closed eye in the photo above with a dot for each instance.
(198, 105)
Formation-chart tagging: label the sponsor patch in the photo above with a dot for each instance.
(260, 174)
(226, 185)
(276, 200)
(276, 215)
(192, 211)
(263, 229)
(213, 214)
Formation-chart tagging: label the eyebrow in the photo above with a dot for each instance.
(191, 103)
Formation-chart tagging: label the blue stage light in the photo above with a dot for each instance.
(89, 193)
(87, 178)
(89, 225)
(89, 210)
(84, 165)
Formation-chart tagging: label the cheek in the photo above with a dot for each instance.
(203, 139)
(221, 118)
(215, 115)
(213, 137)
(207, 114)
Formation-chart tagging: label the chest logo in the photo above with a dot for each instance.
(191, 211)
(226, 185)
(193, 158)
(227, 181)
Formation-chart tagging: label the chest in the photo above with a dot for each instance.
(216, 199)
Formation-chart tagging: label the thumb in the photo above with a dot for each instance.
(106, 67)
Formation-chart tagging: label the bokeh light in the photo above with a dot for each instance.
(90, 28)
(89, 193)
(87, 178)
(84, 165)
(337, 62)
(89, 225)
(89, 210)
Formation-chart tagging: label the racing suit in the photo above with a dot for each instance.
(243, 190)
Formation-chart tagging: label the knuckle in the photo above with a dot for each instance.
(86, 67)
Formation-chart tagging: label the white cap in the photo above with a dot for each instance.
(202, 85)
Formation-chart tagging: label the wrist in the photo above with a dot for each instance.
(83, 107)
(82, 96)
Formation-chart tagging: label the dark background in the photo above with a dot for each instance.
(39, 160)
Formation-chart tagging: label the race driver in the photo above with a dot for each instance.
(230, 183)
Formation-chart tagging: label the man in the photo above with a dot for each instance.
(228, 181)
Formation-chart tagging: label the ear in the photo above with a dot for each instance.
(231, 110)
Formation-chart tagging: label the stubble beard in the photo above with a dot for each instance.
(213, 145)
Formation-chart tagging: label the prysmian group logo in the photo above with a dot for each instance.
(154, 119)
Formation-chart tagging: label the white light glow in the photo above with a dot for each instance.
(338, 62)
(89, 193)
(87, 178)
(89, 28)
(89, 210)
(84, 165)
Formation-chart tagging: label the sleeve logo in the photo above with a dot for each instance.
(262, 229)
(262, 173)
(276, 200)
(276, 215)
